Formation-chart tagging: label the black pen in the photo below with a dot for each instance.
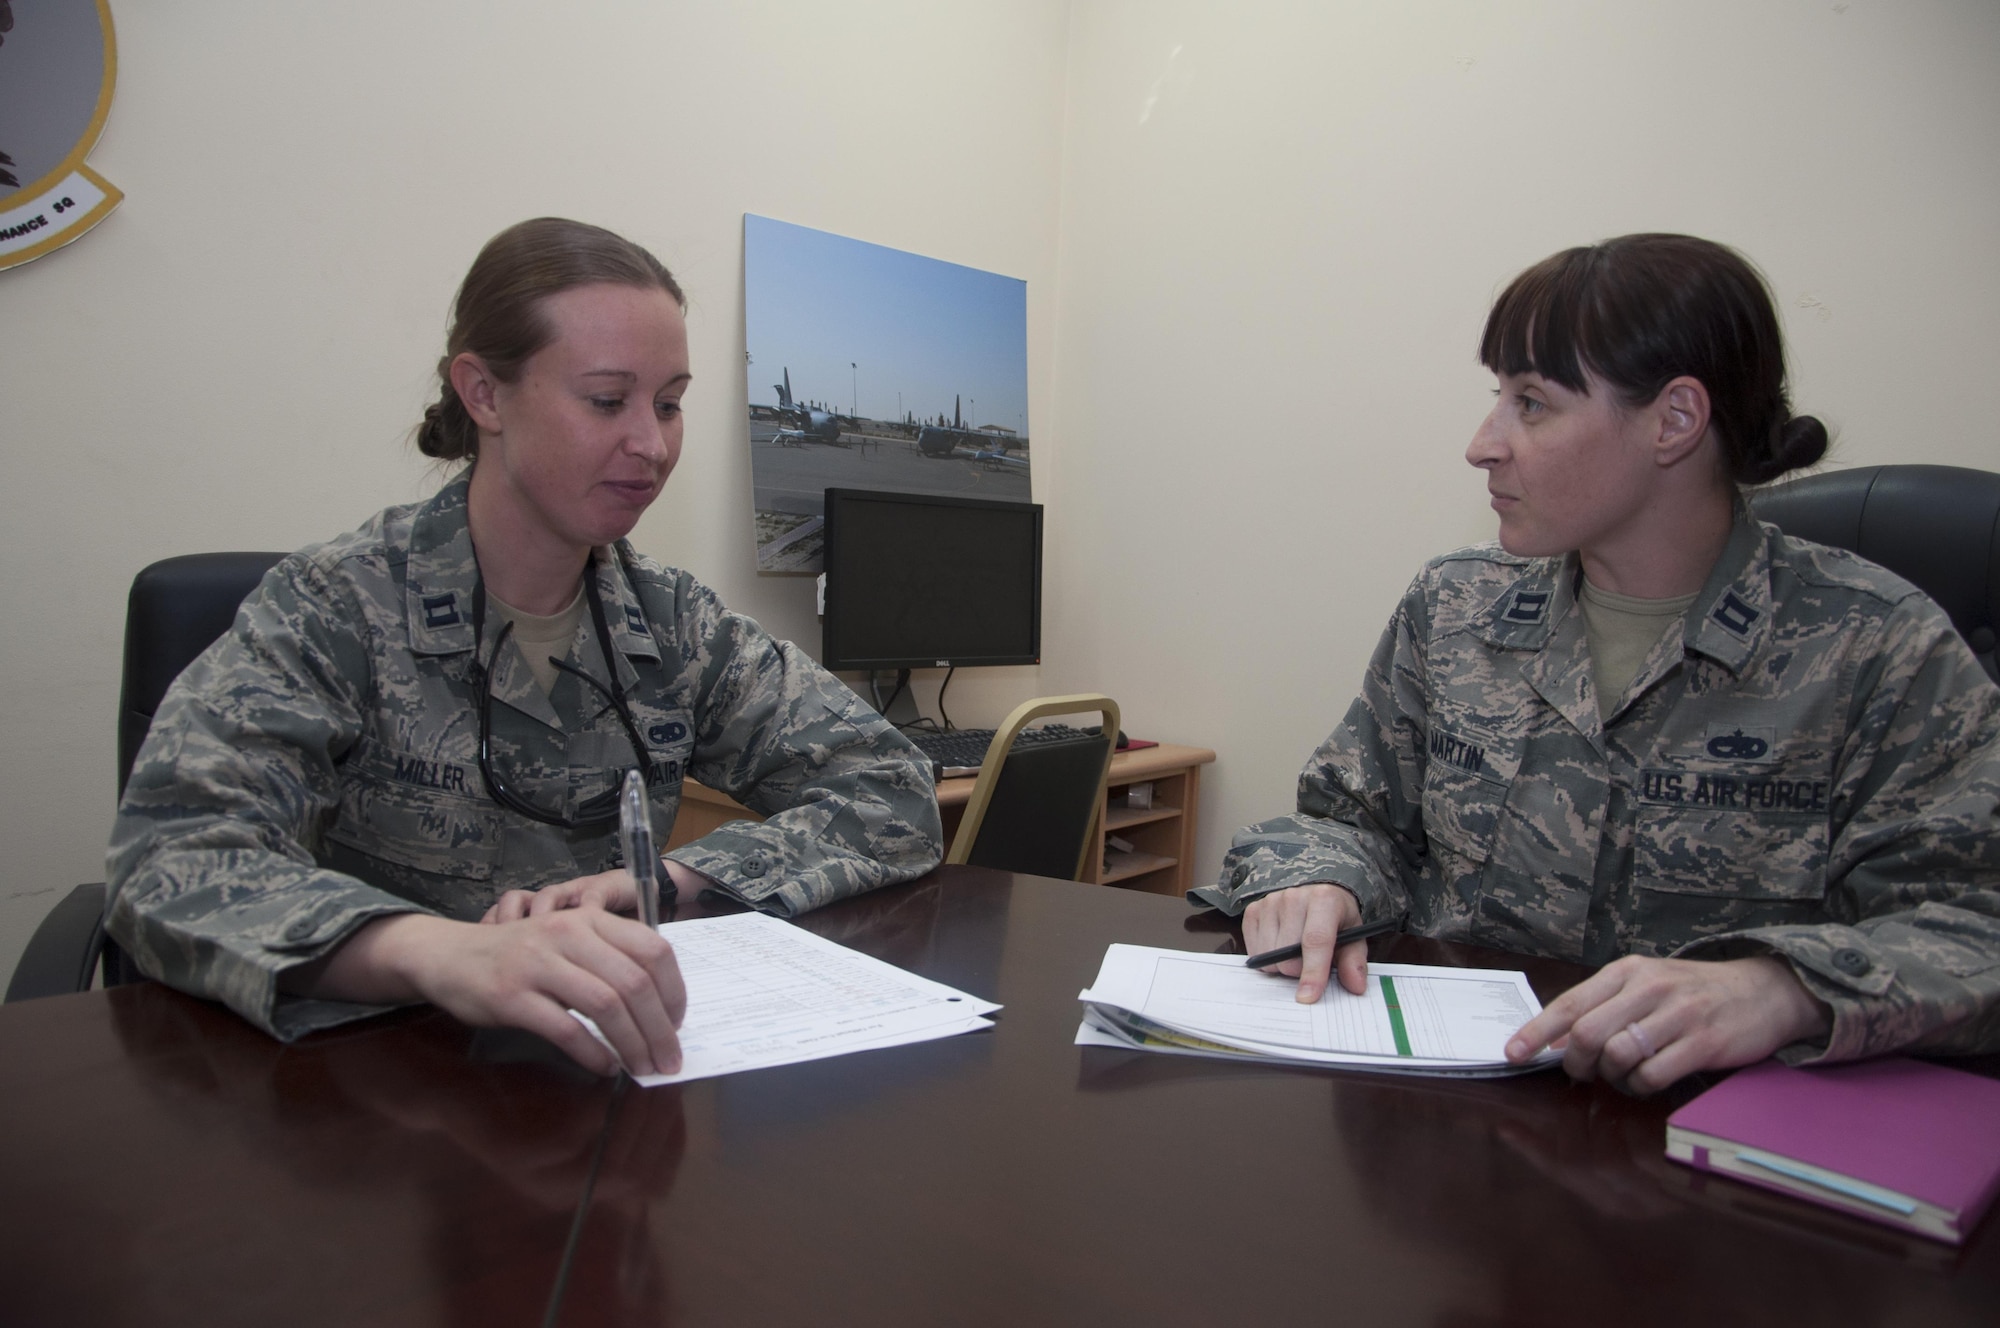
(1297, 948)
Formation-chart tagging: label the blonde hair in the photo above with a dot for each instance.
(498, 313)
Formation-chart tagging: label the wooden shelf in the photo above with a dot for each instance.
(1119, 818)
(1120, 866)
(1162, 836)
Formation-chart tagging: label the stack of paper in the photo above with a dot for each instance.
(763, 992)
(1412, 1019)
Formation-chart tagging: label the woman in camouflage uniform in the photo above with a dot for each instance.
(1765, 772)
(418, 727)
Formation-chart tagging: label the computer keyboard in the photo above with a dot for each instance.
(960, 751)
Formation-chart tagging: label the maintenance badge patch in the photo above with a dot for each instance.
(58, 62)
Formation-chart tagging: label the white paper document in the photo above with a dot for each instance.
(1413, 1019)
(763, 992)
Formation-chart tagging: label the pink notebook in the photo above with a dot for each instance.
(1903, 1142)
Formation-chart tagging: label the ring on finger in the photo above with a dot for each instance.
(1639, 1039)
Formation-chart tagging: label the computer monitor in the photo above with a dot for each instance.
(922, 581)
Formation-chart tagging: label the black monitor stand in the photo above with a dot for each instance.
(901, 707)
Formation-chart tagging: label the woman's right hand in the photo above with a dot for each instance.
(1312, 916)
(528, 973)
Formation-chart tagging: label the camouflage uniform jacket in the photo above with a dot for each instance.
(319, 765)
(1810, 768)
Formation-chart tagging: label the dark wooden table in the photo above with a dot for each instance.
(164, 1163)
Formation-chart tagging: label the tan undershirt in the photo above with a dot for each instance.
(540, 637)
(1622, 630)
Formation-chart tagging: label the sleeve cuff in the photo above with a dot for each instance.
(1838, 966)
(1242, 883)
(739, 865)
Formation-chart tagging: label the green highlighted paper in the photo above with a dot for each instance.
(1411, 1020)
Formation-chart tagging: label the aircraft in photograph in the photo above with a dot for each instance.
(945, 440)
(996, 459)
(804, 424)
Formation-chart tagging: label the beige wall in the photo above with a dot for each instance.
(1281, 227)
(1258, 241)
(235, 358)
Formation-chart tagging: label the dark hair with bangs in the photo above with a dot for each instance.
(1642, 310)
(498, 313)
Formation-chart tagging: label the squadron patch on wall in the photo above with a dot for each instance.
(58, 61)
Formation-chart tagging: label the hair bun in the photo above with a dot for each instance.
(447, 432)
(1801, 442)
(430, 434)
(1797, 443)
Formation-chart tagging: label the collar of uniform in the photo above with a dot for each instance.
(1542, 615)
(514, 684)
(631, 634)
(442, 574)
(1525, 612)
(1731, 616)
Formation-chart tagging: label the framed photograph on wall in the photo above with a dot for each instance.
(874, 368)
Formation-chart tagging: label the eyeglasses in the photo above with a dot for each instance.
(598, 812)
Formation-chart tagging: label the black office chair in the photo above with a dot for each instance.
(1937, 527)
(1035, 809)
(177, 608)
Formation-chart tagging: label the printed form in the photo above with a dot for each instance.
(762, 992)
(1411, 1017)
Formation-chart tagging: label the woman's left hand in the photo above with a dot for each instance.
(1644, 1023)
(611, 891)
